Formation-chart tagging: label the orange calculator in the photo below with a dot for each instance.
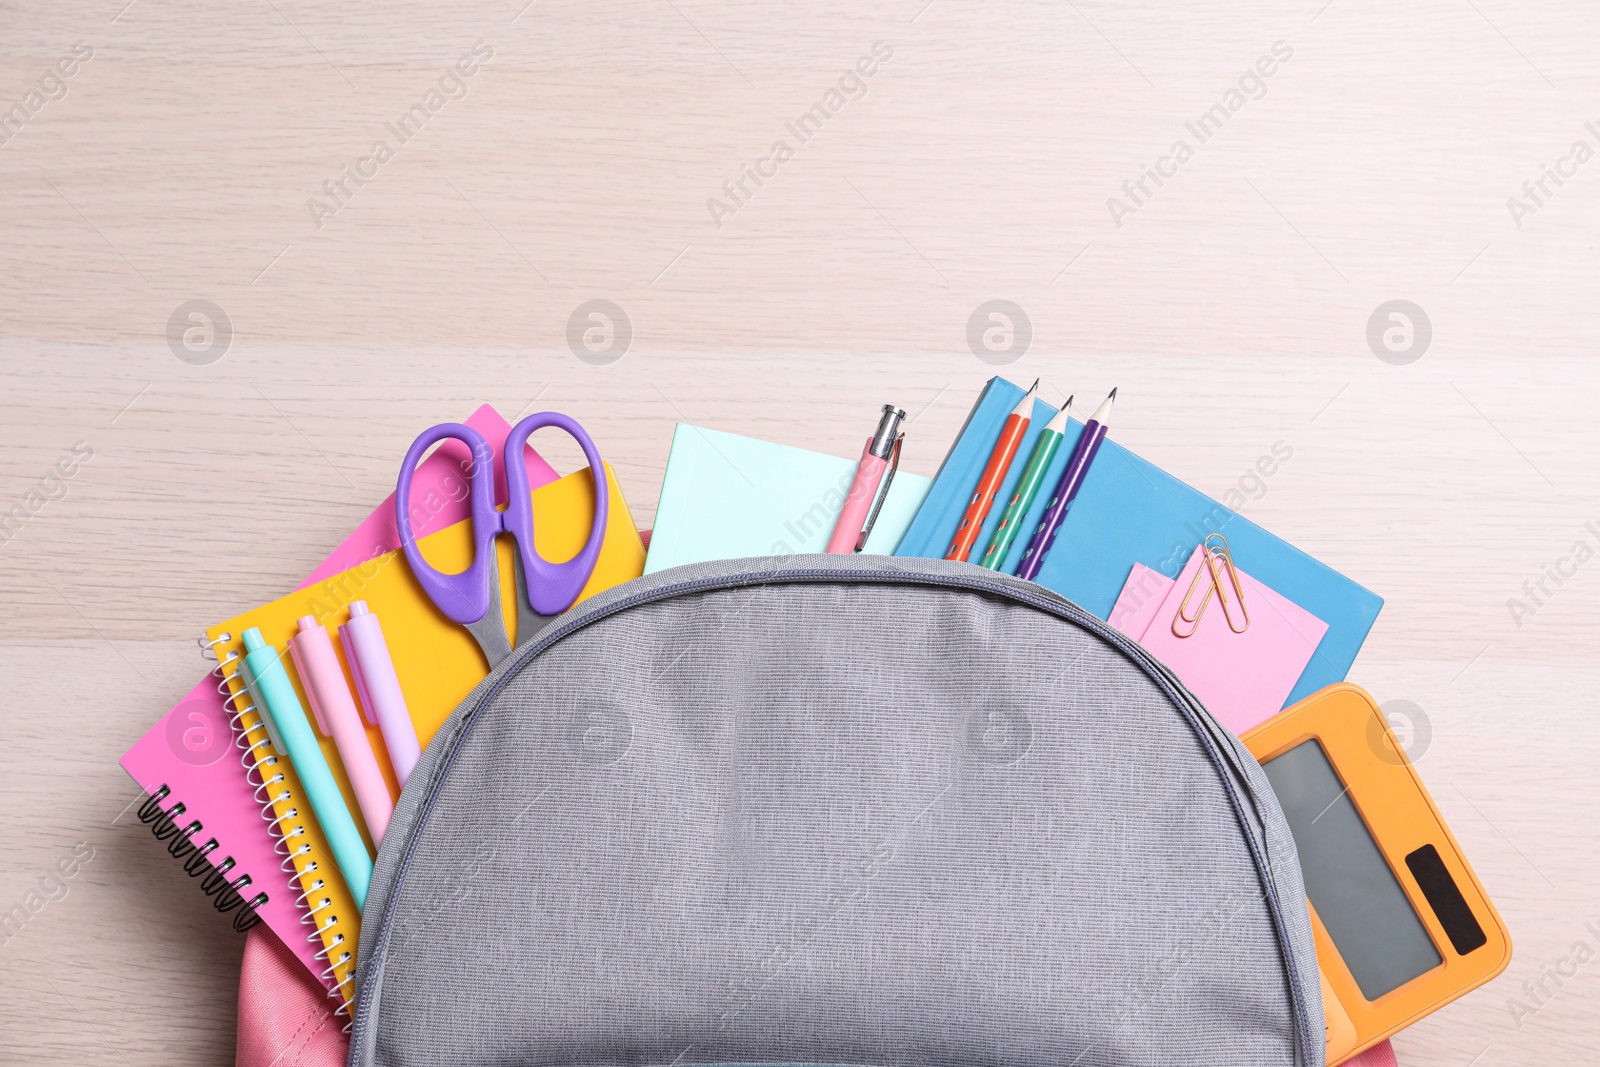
(1402, 925)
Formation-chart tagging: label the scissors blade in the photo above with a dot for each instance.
(529, 622)
(490, 631)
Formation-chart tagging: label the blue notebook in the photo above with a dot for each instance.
(1131, 511)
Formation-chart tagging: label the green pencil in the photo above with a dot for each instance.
(1044, 450)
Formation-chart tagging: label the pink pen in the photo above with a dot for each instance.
(336, 714)
(881, 453)
(379, 688)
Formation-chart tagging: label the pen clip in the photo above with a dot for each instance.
(248, 676)
(883, 493)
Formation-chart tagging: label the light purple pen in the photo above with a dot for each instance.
(1044, 535)
(378, 687)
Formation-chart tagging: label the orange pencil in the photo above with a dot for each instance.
(994, 472)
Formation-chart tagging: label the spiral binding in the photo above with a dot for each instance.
(260, 761)
(196, 860)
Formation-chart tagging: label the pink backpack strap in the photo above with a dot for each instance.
(1379, 1055)
(285, 1016)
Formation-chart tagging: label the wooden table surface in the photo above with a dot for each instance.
(595, 153)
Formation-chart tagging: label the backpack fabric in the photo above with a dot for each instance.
(835, 810)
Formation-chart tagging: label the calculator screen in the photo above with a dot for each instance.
(1356, 894)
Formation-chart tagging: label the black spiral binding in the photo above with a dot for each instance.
(196, 860)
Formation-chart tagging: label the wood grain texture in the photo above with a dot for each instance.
(1231, 307)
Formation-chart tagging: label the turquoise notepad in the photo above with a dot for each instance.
(727, 497)
(1131, 511)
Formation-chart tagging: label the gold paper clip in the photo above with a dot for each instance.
(1217, 562)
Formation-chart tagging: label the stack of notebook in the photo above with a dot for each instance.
(1132, 513)
(190, 762)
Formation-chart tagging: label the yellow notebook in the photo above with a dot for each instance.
(437, 661)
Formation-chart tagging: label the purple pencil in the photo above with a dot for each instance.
(1044, 535)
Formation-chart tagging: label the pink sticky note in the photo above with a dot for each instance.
(1242, 678)
(1139, 600)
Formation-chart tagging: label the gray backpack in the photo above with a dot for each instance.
(835, 810)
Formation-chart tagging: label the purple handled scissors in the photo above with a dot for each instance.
(544, 589)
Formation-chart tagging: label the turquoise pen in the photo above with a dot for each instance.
(1027, 488)
(281, 709)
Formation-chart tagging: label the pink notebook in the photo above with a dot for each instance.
(191, 753)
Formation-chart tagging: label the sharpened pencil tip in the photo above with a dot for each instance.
(1058, 424)
(1113, 394)
(1034, 387)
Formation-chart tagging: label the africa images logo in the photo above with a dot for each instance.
(851, 85)
(1251, 85)
(452, 85)
(999, 736)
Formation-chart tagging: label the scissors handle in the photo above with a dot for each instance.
(552, 587)
(464, 597)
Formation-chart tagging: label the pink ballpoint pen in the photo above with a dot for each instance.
(336, 714)
(881, 453)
